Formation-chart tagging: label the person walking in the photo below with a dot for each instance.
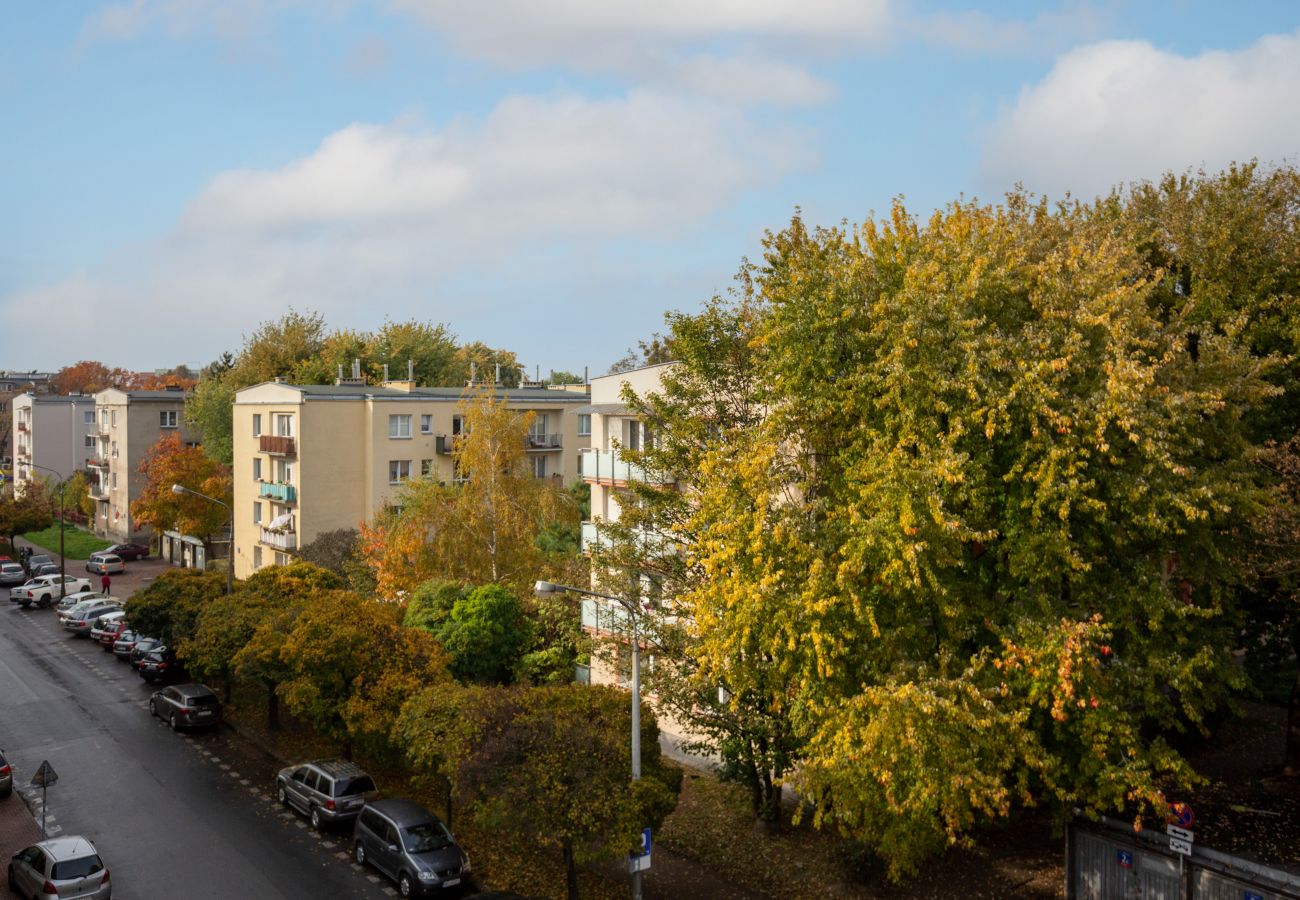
(105, 582)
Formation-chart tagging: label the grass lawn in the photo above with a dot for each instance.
(77, 542)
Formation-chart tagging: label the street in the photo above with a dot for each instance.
(171, 814)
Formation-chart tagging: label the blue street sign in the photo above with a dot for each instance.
(1251, 895)
(1124, 858)
(645, 842)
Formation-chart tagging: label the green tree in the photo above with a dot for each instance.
(168, 607)
(430, 604)
(332, 550)
(224, 625)
(33, 511)
(485, 634)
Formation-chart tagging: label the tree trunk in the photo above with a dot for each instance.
(272, 708)
(1291, 761)
(570, 870)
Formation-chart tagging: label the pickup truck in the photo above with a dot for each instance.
(42, 591)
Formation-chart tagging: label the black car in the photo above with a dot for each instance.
(127, 551)
(142, 646)
(35, 561)
(160, 665)
(45, 569)
(186, 706)
(6, 776)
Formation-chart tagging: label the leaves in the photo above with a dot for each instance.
(170, 462)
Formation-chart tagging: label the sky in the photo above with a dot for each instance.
(552, 176)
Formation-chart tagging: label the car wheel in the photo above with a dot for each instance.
(153, 708)
(175, 727)
(404, 885)
(316, 821)
(284, 798)
(13, 885)
(25, 604)
(359, 853)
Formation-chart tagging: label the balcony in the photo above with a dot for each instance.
(594, 537)
(278, 444)
(98, 491)
(22, 426)
(287, 540)
(95, 462)
(608, 467)
(604, 617)
(283, 493)
(446, 444)
(542, 442)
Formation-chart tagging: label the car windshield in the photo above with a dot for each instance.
(76, 868)
(361, 784)
(426, 837)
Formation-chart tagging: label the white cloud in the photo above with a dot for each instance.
(976, 31)
(391, 214)
(1121, 111)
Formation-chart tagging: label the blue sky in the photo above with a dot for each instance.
(551, 176)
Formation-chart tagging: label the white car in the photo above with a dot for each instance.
(105, 564)
(72, 600)
(96, 601)
(45, 589)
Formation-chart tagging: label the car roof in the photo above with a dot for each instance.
(337, 768)
(402, 813)
(72, 847)
(193, 690)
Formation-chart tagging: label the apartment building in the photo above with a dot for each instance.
(128, 424)
(309, 459)
(11, 385)
(53, 436)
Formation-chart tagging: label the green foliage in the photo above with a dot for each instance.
(558, 642)
(168, 607)
(208, 409)
(332, 550)
(485, 635)
(78, 543)
(430, 604)
(32, 512)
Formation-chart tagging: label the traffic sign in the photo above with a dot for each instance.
(1181, 815)
(1180, 846)
(1181, 833)
(45, 776)
(639, 862)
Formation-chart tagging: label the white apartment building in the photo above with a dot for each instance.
(54, 436)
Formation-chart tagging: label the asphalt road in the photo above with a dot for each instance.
(173, 815)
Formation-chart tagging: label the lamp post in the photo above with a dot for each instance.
(63, 569)
(230, 561)
(545, 589)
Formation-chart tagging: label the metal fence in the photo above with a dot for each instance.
(1108, 860)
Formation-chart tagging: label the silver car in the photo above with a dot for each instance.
(80, 623)
(327, 790)
(73, 599)
(11, 574)
(70, 865)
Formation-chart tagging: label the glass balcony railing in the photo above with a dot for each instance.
(285, 493)
(608, 467)
(595, 537)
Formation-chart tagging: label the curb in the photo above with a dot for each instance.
(31, 797)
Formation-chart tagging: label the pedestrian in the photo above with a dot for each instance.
(105, 582)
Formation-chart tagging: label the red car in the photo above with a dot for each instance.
(109, 633)
(127, 551)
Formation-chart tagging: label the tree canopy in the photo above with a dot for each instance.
(170, 462)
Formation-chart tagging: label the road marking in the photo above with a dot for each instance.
(373, 879)
(340, 855)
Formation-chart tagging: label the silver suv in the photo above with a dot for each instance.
(410, 845)
(327, 790)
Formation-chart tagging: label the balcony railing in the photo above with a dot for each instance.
(594, 536)
(95, 462)
(446, 444)
(285, 493)
(278, 444)
(98, 491)
(22, 426)
(608, 467)
(287, 540)
(605, 617)
(542, 442)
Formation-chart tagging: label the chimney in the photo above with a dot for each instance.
(356, 378)
(385, 373)
(408, 385)
(410, 370)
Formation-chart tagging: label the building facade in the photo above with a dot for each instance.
(128, 424)
(310, 459)
(53, 436)
(11, 385)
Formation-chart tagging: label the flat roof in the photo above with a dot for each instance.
(441, 394)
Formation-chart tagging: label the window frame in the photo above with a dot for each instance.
(399, 426)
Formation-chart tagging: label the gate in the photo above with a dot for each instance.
(1108, 860)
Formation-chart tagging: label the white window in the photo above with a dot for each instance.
(283, 471)
(426, 467)
(114, 481)
(167, 418)
(113, 418)
(91, 442)
(283, 425)
(257, 424)
(426, 424)
(281, 559)
(539, 466)
(257, 468)
(257, 557)
(537, 429)
(88, 417)
(584, 424)
(103, 417)
(399, 426)
(398, 470)
(257, 512)
(114, 450)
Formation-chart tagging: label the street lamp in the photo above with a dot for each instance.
(63, 569)
(547, 589)
(230, 561)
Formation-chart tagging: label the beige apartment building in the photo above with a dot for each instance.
(309, 459)
(53, 436)
(128, 424)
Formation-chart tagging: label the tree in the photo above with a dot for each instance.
(170, 462)
(653, 352)
(430, 604)
(169, 607)
(332, 550)
(223, 626)
(560, 376)
(480, 531)
(33, 511)
(478, 362)
(85, 377)
(485, 633)
(547, 766)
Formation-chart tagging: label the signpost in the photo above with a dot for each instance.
(1179, 828)
(44, 777)
(639, 862)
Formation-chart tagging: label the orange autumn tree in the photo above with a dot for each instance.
(171, 462)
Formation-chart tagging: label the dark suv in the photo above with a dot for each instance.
(186, 706)
(327, 790)
(411, 846)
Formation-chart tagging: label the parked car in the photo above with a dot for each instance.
(327, 790)
(35, 560)
(84, 622)
(127, 551)
(81, 600)
(12, 574)
(105, 564)
(6, 776)
(125, 643)
(186, 706)
(89, 603)
(107, 629)
(45, 589)
(45, 569)
(160, 665)
(142, 646)
(60, 867)
(410, 845)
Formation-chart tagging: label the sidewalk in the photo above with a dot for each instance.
(17, 827)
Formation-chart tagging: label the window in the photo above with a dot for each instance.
(283, 471)
(257, 557)
(114, 450)
(283, 425)
(426, 424)
(539, 466)
(457, 424)
(537, 428)
(399, 426)
(88, 417)
(426, 467)
(257, 468)
(398, 470)
(167, 418)
(113, 418)
(91, 443)
(257, 512)
(114, 481)
(103, 418)
(281, 559)
(584, 424)
(257, 424)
